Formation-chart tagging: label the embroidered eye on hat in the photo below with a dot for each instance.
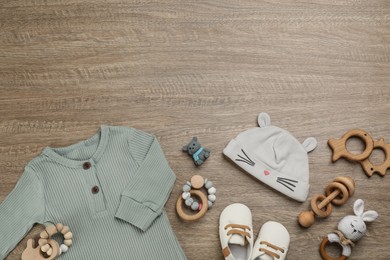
(274, 156)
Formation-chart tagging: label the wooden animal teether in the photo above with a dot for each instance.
(340, 150)
(337, 193)
(369, 168)
(349, 230)
(35, 253)
(193, 188)
(47, 245)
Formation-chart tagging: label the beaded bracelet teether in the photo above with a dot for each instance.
(192, 188)
(50, 231)
(197, 182)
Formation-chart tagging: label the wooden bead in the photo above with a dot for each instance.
(68, 235)
(306, 218)
(68, 242)
(59, 227)
(51, 230)
(45, 248)
(65, 230)
(197, 182)
(49, 252)
(42, 242)
(44, 234)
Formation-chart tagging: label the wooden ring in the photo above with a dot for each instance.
(319, 212)
(325, 255)
(369, 168)
(343, 192)
(184, 216)
(348, 182)
(340, 149)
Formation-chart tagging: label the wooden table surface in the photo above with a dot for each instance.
(203, 68)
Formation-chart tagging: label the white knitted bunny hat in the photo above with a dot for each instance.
(273, 156)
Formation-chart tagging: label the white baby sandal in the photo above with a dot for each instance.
(272, 242)
(236, 232)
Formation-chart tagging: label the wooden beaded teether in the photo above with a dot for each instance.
(193, 188)
(338, 192)
(48, 245)
(340, 150)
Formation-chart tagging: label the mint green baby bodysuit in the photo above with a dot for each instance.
(110, 190)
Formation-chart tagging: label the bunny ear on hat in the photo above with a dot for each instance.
(370, 216)
(264, 119)
(309, 144)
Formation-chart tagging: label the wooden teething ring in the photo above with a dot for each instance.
(381, 169)
(325, 255)
(201, 213)
(50, 231)
(340, 185)
(340, 150)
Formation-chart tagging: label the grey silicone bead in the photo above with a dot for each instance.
(212, 190)
(210, 204)
(209, 184)
(195, 206)
(189, 183)
(205, 181)
(186, 188)
(189, 201)
(212, 198)
(186, 195)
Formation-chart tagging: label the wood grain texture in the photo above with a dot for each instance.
(205, 68)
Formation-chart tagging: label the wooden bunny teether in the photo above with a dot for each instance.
(350, 229)
(340, 150)
(35, 253)
(47, 245)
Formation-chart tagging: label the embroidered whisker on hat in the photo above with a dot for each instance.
(274, 156)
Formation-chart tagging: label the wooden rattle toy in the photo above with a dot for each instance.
(349, 230)
(193, 188)
(47, 245)
(337, 193)
(340, 150)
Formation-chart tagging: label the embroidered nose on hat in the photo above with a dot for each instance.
(274, 156)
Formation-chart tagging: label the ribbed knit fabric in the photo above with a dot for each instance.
(125, 220)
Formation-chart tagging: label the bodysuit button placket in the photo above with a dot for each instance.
(94, 189)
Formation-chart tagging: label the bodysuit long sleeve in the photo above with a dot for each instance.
(23, 207)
